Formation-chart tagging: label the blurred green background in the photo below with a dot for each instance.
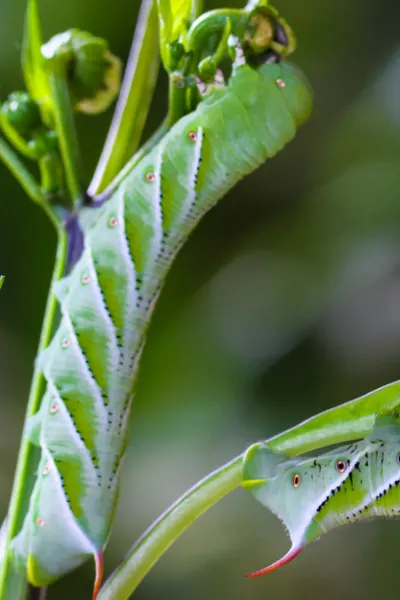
(285, 302)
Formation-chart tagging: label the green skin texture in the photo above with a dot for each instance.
(315, 494)
(107, 300)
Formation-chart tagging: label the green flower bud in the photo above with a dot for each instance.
(21, 113)
(43, 143)
(93, 73)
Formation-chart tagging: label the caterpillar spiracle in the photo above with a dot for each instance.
(106, 302)
(315, 494)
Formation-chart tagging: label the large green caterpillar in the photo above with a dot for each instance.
(130, 242)
(315, 494)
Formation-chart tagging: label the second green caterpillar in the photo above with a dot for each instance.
(91, 363)
(314, 494)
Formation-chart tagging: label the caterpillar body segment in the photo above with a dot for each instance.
(107, 300)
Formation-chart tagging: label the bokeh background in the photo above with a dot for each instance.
(285, 302)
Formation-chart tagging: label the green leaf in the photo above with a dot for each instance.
(31, 57)
(1, 284)
(165, 19)
(134, 102)
(175, 17)
(180, 16)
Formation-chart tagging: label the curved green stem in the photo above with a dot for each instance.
(215, 21)
(353, 420)
(170, 525)
(13, 584)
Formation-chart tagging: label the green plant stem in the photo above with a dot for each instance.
(177, 105)
(159, 537)
(13, 584)
(29, 183)
(134, 100)
(20, 172)
(65, 128)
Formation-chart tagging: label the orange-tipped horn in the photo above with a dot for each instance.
(99, 564)
(293, 552)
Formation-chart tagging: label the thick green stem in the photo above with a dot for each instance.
(159, 537)
(13, 584)
(65, 128)
(177, 105)
(134, 100)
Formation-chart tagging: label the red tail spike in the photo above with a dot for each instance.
(293, 552)
(99, 564)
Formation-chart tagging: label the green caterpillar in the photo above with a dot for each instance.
(130, 243)
(315, 494)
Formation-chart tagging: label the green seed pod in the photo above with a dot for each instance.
(21, 113)
(44, 143)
